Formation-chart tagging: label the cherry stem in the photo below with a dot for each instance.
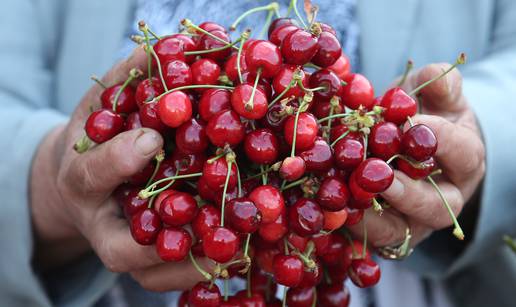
(267, 23)
(312, 65)
(350, 241)
(289, 86)
(284, 300)
(510, 242)
(246, 246)
(249, 105)
(294, 137)
(248, 283)
(186, 87)
(264, 175)
(239, 181)
(148, 191)
(97, 80)
(414, 164)
(271, 7)
(188, 24)
(333, 104)
(133, 74)
(460, 60)
(160, 71)
(205, 274)
(343, 135)
(339, 115)
(314, 302)
(285, 246)
(160, 156)
(314, 11)
(293, 4)
(411, 123)
(226, 289)
(196, 52)
(364, 243)
(377, 207)
(457, 231)
(151, 201)
(83, 144)
(259, 174)
(408, 68)
(243, 37)
(365, 146)
(210, 161)
(315, 89)
(224, 191)
(294, 184)
(153, 34)
(145, 29)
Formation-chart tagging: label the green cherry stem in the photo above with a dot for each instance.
(343, 135)
(294, 184)
(289, 86)
(249, 105)
(224, 191)
(294, 137)
(97, 80)
(364, 243)
(205, 274)
(133, 74)
(160, 156)
(145, 29)
(160, 71)
(83, 144)
(267, 23)
(510, 242)
(365, 137)
(284, 299)
(189, 25)
(186, 87)
(226, 289)
(271, 7)
(314, 302)
(197, 52)
(408, 68)
(293, 4)
(244, 37)
(339, 115)
(239, 181)
(149, 191)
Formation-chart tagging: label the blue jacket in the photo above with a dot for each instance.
(50, 48)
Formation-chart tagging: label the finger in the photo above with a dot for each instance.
(420, 201)
(185, 276)
(96, 173)
(460, 152)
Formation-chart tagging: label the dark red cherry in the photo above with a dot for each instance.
(364, 273)
(220, 244)
(321, 242)
(231, 68)
(102, 125)
(243, 215)
(150, 118)
(188, 163)
(210, 26)
(374, 175)
(191, 137)
(242, 104)
(333, 295)
(358, 193)
(313, 277)
(261, 281)
(283, 79)
(261, 146)
(339, 130)
(225, 128)
(299, 47)
(264, 56)
(173, 244)
(358, 92)
(333, 194)
(177, 73)
(329, 50)
(207, 42)
(327, 28)
(419, 170)
(269, 201)
(188, 45)
(300, 297)
(348, 153)
(161, 197)
(207, 218)
(398, 105)
(264, 255)
(178, 209)
(132, 121)
(321, 108)
(213, 101)
(205, 192)
(327, 79)
(305, 217)
(205, 72)
(278, 35)
(361, 204)
(263, 84)
(126, 102)
(419, 142)
(385, 140)
(288, 270)
(354, 216)
(169, 49)
(335, 250)
(147, 90)
(232, 301)
(255, 300)
(306, 132)
(174, 109)
(215, 172)
(274, 231)
(278, 22)
(183, 299)
(204, 294)
(319, 158)
(145, 226)
(341, 67)
(292, 168)
(274, 119)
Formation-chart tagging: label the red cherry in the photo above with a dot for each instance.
(278, 35)
(305, 217)
(329, 50)
(173, 244)
(231, 68)
(341, 67)
(145, 226)
(174, 109)
(363, 204)
(142, 176)
(319, 158)
(147, 90)
(132, 121)
(178, 209)
(132, 203)
(243, 215)
(283, 79)
(207, 42)
(269, 201)
(213, 101)
(321, 108)
(278, 22)
(374, 175)
(177, 73)
(169, 49)
(183, 299)
(358, 193)
(274, 231)
(225, 128)
(358, 92)
(348, 153)
(264, 256)
(354, 216)
(385, 140)
(126, 102)
(220, 244)
(255, 300)
(263, 83)
(215, 172)
(419, 142)
(205, 72)
(325, 78)
(364, 273)
(150, 119)
(210, 26)
(321, 242)
(241, 101)
(299, 47)
(264, 56)
(334, 219)
(161, 197)
(232, 301)
(422, 170)
(333, 295)
(312, 278)
(188, 45)
(204, 294)
(191, 137)
(274, 119)
(306, 132)
(260, 282)
(187, 163)
(261, 146)
(335, 250)
(207, 218)
(333, 194)
(398, 105)
(339, 130)
(327, 28)
(102, 125)
(292, 168)
(300, 297)
(288, 270)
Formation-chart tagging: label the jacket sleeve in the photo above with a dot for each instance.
(490, 87)
(27, 115)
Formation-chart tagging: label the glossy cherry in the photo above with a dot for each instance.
(284, 77)
(224, 128)
(261, 146)
(102, 125)
(358, 92)
(215, 172)
(333, 194)
(173, 244)
(358, 193)
(385, 140)
(348, 153)
(319, 158)
(305, 217)
(169, 49)
(269, 201)
(419, 170)
(419, 142)
(274, 231)
(126, 102)
(191, 137)
(132, 121)
(220, 244)
(329, 50)
(327, 79)
(207, 42)
(334, 219)
(300, 297)
(210, 26)
(149, 117)
(306, 132)
(147, 89)
(354, 216)
(288, 270)
(205, 72)
(292, 168)
(207, 218)
(231, 68)
(174, 109)
(243, 215)
(299, 47)
(374, 175)
(145, 226)
(341, 67)
(398, 105)
(364, 272)
(213, 101)
(241, 101)
(333, 295)
(279, 22)
(278, 35)
(264, 56)
(178, 209)
(177, 73)
(204, 294)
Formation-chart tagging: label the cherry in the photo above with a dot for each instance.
(255, 300)
(422, 170)
(150, 119)
(220, 244)
(358, 193)
(215, 172)
(169, 49)
(284, 77)
(327, 28)
(188, 45)
(319, 158)
(269, 201)
(364, 273)
(385, 140)
(363, 204)
(207, 42)
(348, 153)
(334, 219)
(132, 121)
(213, 101)
(102, 125)
(321, 242)
(207, 218)
(232, 301)
(265, 57)
(333, 194)
(312, 277)
(275, 118)
(297, 242)
(161, 196)
(274, 231)
(210, 26)
(205, 72)
(305, 217)
(306, 132)
(329, 50)
(247, 105)
(133, 204)
(327, 79)
(358, 92)
(288, 270)
(300, 297)
(243, 215)
(147, 90)
(231, 68)
(354, 216)
(177, 73)
(174, 109)
(278, 22)
(173, 244)
(278, 35)
(335, 250)
(292, 168)
(178, 209)
(188, 163)
(145, 226)
(183, 299)
(260, 281)
(398, 105)
(204, 294)
(322, 108)
(225, 128)
(263, 83)
(191, 137)
(261, 146)
(265, 257)
(419, 142)
(339, 130)
(126, 102)
(341, 67)
(299, 47)
(333, 295)
(374, 175)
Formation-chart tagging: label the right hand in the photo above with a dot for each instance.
(71, 202)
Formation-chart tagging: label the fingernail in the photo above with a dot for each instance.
(148, 142)
(395, 191)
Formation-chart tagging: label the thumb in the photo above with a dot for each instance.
(96, 173)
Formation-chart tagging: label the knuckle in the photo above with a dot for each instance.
(387, 237)
(109, 259)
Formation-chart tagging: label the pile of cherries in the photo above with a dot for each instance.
(272, 148)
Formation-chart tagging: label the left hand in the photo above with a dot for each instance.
(460, 154)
